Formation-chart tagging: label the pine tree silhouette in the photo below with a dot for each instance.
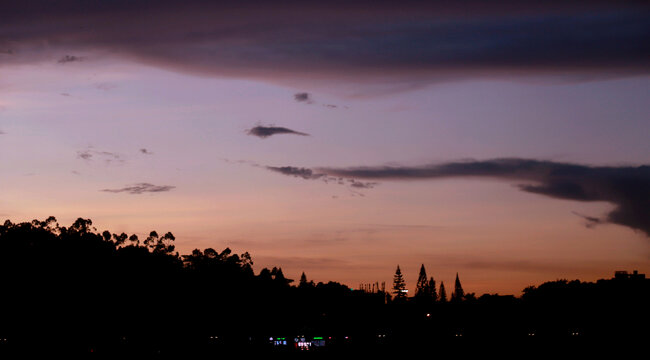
(399, 285)
(458, 293)
(443, 292)
(421, 288)
(431, 286)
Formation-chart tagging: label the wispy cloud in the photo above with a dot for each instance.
(107, 157)
(141, 188)
(105, 86)
(307, 98)
(590, 221)
(361, 185)
(266, 131)
(70, 58)
(309, 174)
(303, 262)
(145, 151)
(300, 172)
(85, 154)
(303, 97)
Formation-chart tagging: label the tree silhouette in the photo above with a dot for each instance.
(399, 285)
(84, 287)
(118, 239)
(443, 293)
(303, 281)
(421, 288)
(151, 240)
(164, 244)
(431, 286)
(279, 278)
(134, 240)
(458, 294)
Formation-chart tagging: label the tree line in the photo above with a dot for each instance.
(425, 289)
(76, 284)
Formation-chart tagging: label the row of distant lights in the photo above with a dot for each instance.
(302, 338)
(573, 333)
(381, 336)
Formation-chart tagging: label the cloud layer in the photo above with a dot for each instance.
(266, 131)
(416, 40)
(141, 188)
(627, 187)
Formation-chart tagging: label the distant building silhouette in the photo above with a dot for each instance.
(624, 275)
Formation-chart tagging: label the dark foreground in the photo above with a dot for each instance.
(75, 292)
(532, 345)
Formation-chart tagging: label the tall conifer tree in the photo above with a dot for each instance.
(421, 288)
(458, 293)
(399, 285)
(443, 292)
(431, 286)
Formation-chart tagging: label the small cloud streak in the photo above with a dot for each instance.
(107, 156)
(141, 188)
(105, 86)
(303, 97)
(590, 221)
(145, 151)
(309, 174)
(85, 155)
(305, 173)
(304, 262)
(266, 131)
(70, 58)
(361, 185)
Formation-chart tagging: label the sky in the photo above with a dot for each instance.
(507, 143)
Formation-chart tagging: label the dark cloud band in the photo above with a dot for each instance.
(627, 187)
(416, 40)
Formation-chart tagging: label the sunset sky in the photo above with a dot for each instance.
(507, 142)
